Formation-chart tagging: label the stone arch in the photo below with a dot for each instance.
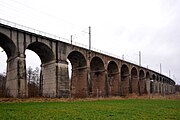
(43, 51)
(134, 81)
(124, 80)
(78, 84)
(48, 68)
(141, 84)
(113, 78)
(11, 82)
(8, 45)
(98, 84)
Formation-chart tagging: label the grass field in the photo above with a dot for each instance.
(91, 110)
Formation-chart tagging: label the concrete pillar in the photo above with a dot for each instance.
(79, 82)
(62, 79)
(169, 88)
(134, 85)
(166, 87)
(158, 87)
(148, 86)
(125, 85)
(153, 87)
(49, 79)
(142, 86)
(163, 88)
(161, 84)
(174, 89)
(113, 84)
(98, 84)
(16, 84)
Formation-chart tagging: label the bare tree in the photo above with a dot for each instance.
(33, 77)
(29, 74)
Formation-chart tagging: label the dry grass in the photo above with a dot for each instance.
(132, 96)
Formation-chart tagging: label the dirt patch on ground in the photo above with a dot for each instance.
(132, 96)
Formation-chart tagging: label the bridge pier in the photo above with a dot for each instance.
(79, 85)
(49, 79)
(16, 84)
(147, 82)
(160, 88)
(142, 86)
(98, 84)
(113, 84)
(134, 85)
(62, 80)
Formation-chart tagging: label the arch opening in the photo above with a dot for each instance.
(45, 75)
(33, 71)
(43, 51)
(124, 80)
(98, 84)
(3, 65)
(7, 51)
(113, 79)
(78, 73)
(97, 66)
(3, 60)
(134, 81)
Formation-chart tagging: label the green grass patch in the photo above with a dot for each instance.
(92, 110)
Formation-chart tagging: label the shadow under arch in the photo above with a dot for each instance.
(124, 80)
(42, 50)
(141, 83)
(134, 81)
(78, 84)
(113, 79)
(98, 84)
(7, 45)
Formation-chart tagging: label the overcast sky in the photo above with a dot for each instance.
(120, 27)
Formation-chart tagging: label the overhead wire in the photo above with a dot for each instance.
(47, 14)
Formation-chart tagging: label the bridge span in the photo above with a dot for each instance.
(94, 74)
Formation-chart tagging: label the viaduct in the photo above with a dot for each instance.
(93, 73)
